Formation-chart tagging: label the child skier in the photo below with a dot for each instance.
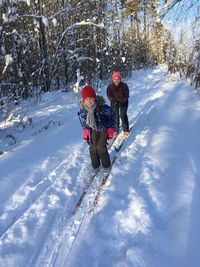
(97, 120)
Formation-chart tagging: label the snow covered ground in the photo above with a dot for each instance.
(148, 214)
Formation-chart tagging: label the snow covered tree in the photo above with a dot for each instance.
(157, 41)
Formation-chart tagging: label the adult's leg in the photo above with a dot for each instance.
(124, 117)
(115, 108)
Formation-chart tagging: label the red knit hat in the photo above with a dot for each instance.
(116, 75)
(88, 91)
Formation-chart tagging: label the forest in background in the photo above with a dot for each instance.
(58, 44)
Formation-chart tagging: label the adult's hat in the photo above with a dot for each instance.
(88, 91)
(116, 75)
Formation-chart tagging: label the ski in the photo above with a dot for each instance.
(101, 186)
(87, 185)
(85, 189)
(104, 179)
(118, 147)
(112, 142)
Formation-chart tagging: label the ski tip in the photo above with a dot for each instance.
(91, 211)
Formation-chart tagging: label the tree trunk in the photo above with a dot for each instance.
(145, 20)
(45, 79)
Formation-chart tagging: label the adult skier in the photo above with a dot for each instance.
(118, 94)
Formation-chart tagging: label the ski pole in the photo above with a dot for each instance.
(78, 113)
(89, 141)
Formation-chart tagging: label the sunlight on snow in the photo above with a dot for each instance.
(157, 95)
(53, 200)
(19, 197)
(48, 110)
(134, 219)
(136, 257)
(178, 112)
(160, 147)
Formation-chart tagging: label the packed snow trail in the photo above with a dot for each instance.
(74, 227)
(148, 213)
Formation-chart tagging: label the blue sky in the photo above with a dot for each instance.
(182, 17)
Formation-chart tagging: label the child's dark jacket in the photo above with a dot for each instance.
(103, 113)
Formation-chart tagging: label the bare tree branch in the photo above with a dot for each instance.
(167, 6)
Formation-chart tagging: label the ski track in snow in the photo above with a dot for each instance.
(41, 209)
(31, 194)
(84, 224)
(37, 203)
(71, 229)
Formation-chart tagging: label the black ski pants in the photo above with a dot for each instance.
(98, 149)
(120, 110)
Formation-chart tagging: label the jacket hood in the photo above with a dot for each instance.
(99, 100)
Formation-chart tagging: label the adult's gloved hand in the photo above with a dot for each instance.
(86, 135)
(114, 102)
(110, 133)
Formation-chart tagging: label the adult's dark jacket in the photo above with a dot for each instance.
(118, 93)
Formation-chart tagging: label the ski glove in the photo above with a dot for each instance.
(110, 133)
(114, 102)
(86, 135)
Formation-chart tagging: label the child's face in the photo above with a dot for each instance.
(89, 101)
(116, 81)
